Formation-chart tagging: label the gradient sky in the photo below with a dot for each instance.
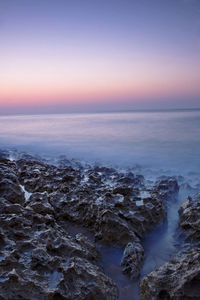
(68, 55)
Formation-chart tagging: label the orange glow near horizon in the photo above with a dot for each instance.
(75, 54)
(48, 94)
(35, 84)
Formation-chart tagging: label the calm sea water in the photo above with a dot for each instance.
(166, 139)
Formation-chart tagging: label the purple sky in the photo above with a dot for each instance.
(62, 55)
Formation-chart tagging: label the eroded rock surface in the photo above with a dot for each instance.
(132, 259)
(178, 279)
(101, 199)
(190, 218)
(39, 258)
(9, 183)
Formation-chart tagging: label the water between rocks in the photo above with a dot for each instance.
(160, 245)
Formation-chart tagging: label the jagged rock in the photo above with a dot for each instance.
(9, 184)
(112, 229)
(190, 218)
(123, 190)
(83, 280)
(39, 258)
(132, 259)
(178, 279)
(40, 204)
(167, 187)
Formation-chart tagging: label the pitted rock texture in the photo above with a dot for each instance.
(38, 259)
(167, 188)
(190, 218)
(178, 279)
(132, 259)
(9, 183)
(98, 198)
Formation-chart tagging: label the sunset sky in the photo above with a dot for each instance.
(79, 55)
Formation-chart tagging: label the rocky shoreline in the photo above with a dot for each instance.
(41, 259)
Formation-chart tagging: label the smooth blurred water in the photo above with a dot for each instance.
(167, 139)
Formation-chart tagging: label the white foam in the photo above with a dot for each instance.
(27, 194)
(139, 203)
(144, 194)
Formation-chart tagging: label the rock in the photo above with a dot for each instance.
(44, 260)
(176, 280)
(123, 190)
(132, 259)
(112, 229)
(190, 218)
(38, 259)
(167, 187)
(9, 185)
(40, 204)
(88, 247)
(49, 263)
(83, 280)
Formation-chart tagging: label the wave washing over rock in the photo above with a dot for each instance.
(58, 221)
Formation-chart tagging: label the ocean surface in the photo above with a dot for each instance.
(162, 140)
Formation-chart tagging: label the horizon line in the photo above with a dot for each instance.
(102, 111)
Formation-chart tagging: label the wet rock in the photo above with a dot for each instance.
(116, 207)
(167, 187)
(178, 279)
(83, 280)
(40, 204)
(50, 262)
(9, 185)
(127, 179)
(132, 259)
(123, 190)
(11, 191)
(90, 250)
(8, 208)
(190, 218)
(38, 259)
(112, 229)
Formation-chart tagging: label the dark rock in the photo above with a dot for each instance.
(178, 279)
(38, 254)
(167, 187)
(190, 218)
(112, 229)
(132, 259)
(123, 190)
(40, 204)
(9, 185)
(38, 259)
(83, 280)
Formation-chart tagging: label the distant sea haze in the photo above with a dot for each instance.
(155, 139)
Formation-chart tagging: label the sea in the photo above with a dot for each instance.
(162, 140)
(151, 143)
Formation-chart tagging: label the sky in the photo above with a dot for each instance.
(90, 55)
